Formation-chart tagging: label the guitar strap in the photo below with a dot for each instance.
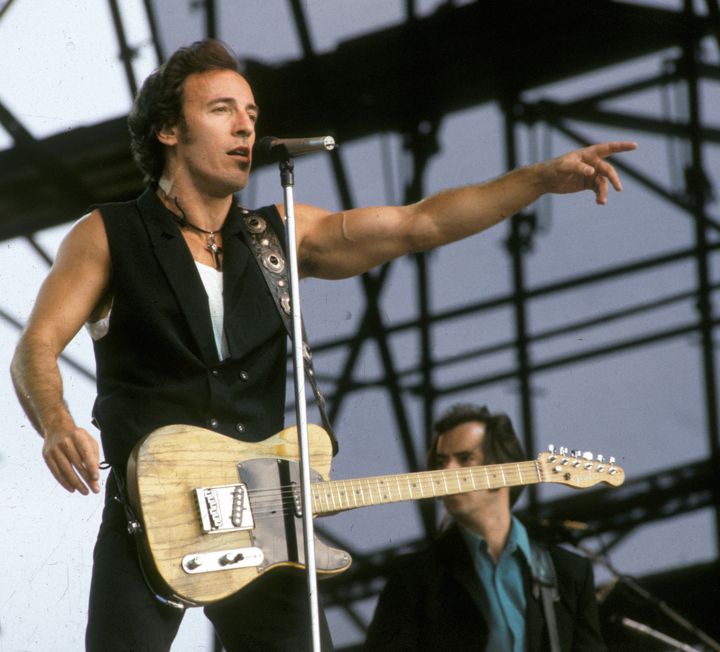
(545, 587)
(271, 260)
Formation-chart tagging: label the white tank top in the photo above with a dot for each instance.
(212, 280)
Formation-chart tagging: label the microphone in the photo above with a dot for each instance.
(287, 147)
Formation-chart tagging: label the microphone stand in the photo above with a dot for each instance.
(651, 599)
(645, 630)
(288, 181)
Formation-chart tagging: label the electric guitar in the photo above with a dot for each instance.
(216, 513)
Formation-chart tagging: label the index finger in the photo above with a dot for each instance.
(614, 147)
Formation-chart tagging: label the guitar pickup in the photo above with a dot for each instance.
(225, 508)
(208, 562)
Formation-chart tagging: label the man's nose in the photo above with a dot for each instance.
(244, 125)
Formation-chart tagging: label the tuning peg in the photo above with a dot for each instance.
(576, 453)
(587, 455)
(600, 458)
(563, 450)
(612, 470)
(551, 448)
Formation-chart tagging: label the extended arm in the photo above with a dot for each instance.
(337, 245)
(73, 290)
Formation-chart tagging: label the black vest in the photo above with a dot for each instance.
(158, 364)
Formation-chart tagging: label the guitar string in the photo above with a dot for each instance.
(272, 500)
(424, 479)
(346, 493)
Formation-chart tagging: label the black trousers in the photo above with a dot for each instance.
(270, 614)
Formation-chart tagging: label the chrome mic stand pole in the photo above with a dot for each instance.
(287, 179)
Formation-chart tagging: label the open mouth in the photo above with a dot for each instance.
(240, 152)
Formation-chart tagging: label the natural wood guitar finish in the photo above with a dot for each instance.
(216, 512)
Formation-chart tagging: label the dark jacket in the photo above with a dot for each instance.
(158, 364)
(432, 602)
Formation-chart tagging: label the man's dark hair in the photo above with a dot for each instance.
(500, 444)
(159, 102)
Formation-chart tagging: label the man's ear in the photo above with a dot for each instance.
(167, 135)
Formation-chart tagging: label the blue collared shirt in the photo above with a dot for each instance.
(504, 607)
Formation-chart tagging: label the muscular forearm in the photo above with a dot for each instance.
(454, 214)
(38, 385)
(71, 454)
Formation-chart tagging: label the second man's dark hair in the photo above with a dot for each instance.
(499, 446)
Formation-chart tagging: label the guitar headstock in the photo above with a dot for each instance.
(578, 469)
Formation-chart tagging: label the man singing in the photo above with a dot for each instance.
(185, 330)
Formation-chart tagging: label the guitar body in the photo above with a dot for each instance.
(191, 547)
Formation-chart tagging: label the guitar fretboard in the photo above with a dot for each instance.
(340, 495)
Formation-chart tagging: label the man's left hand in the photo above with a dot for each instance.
(585, 169)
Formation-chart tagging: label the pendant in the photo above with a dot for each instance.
(215, 250)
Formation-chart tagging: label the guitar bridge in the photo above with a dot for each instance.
(224, 508)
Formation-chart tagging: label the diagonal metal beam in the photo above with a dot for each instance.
(626, 120)
(127, 54)
(154, 31)
(40, 251)
(5, 7)
(52, 167)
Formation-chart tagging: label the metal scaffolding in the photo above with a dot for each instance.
(76, 180)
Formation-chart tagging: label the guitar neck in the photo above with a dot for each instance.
(340, 495)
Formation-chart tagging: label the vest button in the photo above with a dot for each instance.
(215, 372)
(244, 375)
(240, 427)
(214, 423)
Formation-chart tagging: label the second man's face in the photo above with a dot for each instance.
(460, 447)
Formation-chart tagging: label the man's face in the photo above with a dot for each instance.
(213, 142)
(460, 447)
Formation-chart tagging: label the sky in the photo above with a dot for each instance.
(59, 70)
